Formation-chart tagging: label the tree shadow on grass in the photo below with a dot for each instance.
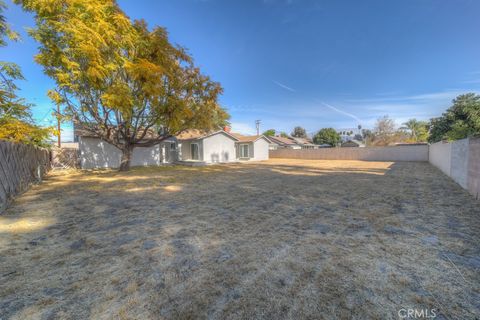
(243, 241)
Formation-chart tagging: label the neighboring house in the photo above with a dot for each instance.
(191, 146)
(281, 142)
(305, 143)
(348, 134)
(352, 144)
(411, 143)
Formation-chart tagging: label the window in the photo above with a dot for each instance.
(194, 151)
(173, 146)
(244, 151)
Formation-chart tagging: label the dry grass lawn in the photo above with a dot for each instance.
(283, 239)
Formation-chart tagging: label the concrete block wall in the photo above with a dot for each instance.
(460, 160)
(397, 153)
(473, 182)
(440, 155)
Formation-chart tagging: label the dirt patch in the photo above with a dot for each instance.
(283, 239)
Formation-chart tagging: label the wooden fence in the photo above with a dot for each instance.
(65, 158)
(20, 165)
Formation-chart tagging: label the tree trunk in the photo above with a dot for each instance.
(126, 157)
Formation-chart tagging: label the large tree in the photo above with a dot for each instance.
(384, 131)
(120, 80)
(461, 120)
(327, 136)
(269, 133)
(16, 122)
(299, 132)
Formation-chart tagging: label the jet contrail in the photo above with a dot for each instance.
(283, 86)
(342, 112)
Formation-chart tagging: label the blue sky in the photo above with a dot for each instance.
(316, 64)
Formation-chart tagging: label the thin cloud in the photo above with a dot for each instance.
(474, 81)
(281, 85)
(426, 97)
(342, 112)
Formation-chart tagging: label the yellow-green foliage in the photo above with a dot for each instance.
(16, 130)
(15, 117)
(117, 76)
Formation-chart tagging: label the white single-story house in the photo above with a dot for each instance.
(252, 147)
(96, 153)
(221, 146)
(207, 147)
(191, 146)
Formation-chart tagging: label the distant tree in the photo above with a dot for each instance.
(461, 120)
(269, 133)
(299, 132)
(284, 135)
(121, 80)
(368, 136)
(384, 131)
(327, 136)
(16, 122)
(358, 137)
(417, 131)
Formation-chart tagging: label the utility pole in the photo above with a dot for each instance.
(58, 127)
(257, 124)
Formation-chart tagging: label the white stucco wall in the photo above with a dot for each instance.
(96, 153)
(440, 155)
(218, 148)
(261, 147)
(142, 157)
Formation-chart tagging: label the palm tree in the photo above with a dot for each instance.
(418, 129)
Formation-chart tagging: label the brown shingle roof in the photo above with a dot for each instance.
(242, 138)
(192, 134)
(302, 141)
(282, 140)
(199, 134)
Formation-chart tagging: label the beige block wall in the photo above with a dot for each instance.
(440, 156)
(460, 160)
(474, 167)
(397, 153)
